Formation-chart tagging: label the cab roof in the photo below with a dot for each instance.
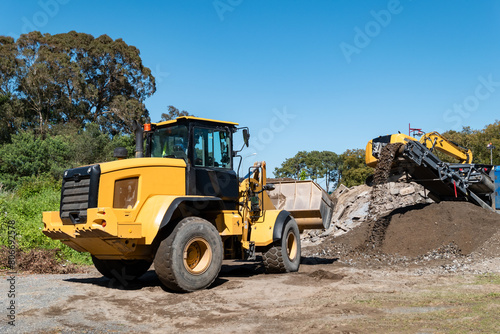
(183, 119)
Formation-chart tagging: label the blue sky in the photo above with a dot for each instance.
(303, 75)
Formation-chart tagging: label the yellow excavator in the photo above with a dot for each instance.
(462, 180)
(431, 140)
(182, 206)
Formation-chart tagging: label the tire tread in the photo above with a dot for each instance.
(275, 259)
(163, 260)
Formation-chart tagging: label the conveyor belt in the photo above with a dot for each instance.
(448, 181)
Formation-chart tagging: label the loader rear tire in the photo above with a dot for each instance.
(284, 255)
(122, 270)
(190, 258)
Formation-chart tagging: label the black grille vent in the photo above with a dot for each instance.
(78, 193)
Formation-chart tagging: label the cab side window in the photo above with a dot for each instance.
(211, 148)
(170, 142)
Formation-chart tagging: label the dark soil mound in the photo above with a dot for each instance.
(416, 232)
(445, 230)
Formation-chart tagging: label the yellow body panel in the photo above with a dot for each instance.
(262, 230)
(156, 176)
(261, 226)
(55, 227)
(110, 240)
(153, 212)
(117, 165)
(370, 160)
(229, 222)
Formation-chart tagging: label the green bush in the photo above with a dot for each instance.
(29, 156)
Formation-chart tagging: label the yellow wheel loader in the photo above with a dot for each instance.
(183, 207)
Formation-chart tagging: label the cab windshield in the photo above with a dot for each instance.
(170, 142)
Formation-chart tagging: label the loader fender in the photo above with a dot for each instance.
(159, 210)
(283, 217)
(191, 206)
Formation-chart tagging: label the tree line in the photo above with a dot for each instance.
(47, 80)
(348, 168)
(478, 141)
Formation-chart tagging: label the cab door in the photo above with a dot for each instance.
(212, 164)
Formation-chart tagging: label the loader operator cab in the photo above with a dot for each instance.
(206, 147)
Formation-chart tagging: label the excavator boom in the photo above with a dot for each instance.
(434, 140)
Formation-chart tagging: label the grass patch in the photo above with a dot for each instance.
(489, 278)
(21, 210)
(457, 308)
(371, 302)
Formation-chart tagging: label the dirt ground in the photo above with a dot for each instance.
(322, 297)
(425, 269)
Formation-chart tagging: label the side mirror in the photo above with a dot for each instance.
(246, 136)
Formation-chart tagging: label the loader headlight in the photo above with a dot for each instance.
(125, 194)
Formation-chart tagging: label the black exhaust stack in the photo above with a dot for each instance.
(139, 140)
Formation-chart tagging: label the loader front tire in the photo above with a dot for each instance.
(284, 255)
(190, 258)
(122, 270)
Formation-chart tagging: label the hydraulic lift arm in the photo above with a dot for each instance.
(434, 140)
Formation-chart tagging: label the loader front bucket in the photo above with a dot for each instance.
(306, 201)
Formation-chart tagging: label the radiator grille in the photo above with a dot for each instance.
(78, 193)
